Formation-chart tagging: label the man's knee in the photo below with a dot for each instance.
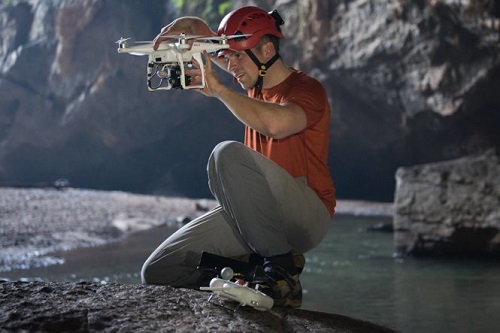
(227, 148)
(227, 153)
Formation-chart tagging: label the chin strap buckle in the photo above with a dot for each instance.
(263, 70)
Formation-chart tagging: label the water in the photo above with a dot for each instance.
(351, 273)
(414, 295)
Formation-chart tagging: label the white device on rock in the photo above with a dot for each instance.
(242, 294)
(167, 64)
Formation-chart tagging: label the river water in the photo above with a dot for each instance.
(352, 272)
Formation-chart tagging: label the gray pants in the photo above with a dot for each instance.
(262, 210)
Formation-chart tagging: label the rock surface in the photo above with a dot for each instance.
(91, 307)
(404, 77)
(449, 208)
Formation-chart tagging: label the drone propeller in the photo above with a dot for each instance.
(224, 37)
(122, 40)
(234, 36)
(182, 36)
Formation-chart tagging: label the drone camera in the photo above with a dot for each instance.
(174, 77)
(167, 76)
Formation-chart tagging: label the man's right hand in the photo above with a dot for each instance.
(188, 25)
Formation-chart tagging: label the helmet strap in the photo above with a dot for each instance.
(262, 69)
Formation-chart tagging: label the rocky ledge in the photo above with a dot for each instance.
(91, 307)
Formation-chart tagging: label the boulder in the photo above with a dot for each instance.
(91, 307)
(449, 208)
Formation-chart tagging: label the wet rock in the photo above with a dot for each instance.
(449, 208)
(87, 307)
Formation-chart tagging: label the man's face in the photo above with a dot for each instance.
(243, 69)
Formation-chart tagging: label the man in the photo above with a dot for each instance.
(275, 191)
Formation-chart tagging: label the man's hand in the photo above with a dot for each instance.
(188, 25)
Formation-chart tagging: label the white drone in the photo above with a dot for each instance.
(167, 65)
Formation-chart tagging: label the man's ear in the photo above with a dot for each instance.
(268, 49)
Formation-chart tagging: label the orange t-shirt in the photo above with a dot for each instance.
(304, 153)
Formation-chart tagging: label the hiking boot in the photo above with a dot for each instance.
(285, 289)
(299, 262)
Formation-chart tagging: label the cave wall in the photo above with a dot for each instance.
(410, 82)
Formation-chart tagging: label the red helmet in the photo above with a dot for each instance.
(252, 21)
